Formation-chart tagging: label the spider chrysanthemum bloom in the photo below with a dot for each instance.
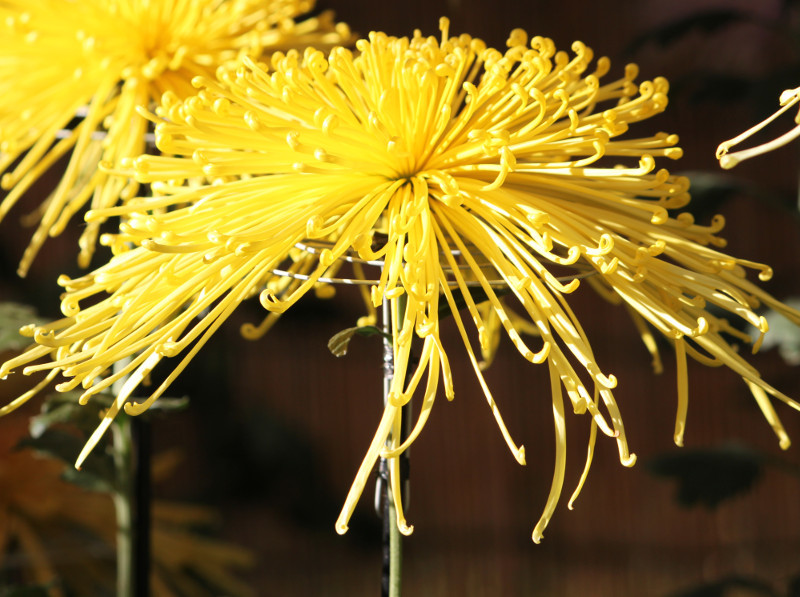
(72, 74)
(467, 171)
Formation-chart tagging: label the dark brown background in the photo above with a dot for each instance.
(277, 428)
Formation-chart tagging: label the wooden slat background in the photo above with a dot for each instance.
(277, 428)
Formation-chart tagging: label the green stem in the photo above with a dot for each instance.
(395, 552)
(123, 504)
(390, 512)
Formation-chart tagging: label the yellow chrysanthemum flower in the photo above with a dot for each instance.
(87, 65)
(466, 171)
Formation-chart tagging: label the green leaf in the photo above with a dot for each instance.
(97, 473)
(166, 405)
(13, 316)
(709, 476)
(340, 342)
(783, 334)
(64, 408)
(91, 480)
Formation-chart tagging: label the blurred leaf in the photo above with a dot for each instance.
(783, 334)
(63, 426)
(708, 21)
(12, 317)
(710, 191)
(794, 586)
(717, 87)
(734, 85)
(63, 408)
(709, 476)
(731, 586)
(30, 591)
(91, 480)
(98, 472)
(340, 342)
(166, 405)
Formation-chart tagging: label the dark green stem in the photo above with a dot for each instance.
(392, 539)
(124, 504)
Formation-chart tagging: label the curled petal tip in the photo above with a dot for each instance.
(609, 382)
(728, 161)
(341, 528)
(541, 356)
(702, 327)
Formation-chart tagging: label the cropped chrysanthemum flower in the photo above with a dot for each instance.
(473, 175)
(73, 73)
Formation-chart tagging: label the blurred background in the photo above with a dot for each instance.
(277, 428)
